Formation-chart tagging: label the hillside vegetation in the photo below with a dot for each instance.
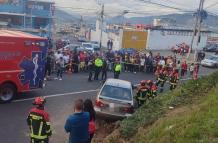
(187, 115)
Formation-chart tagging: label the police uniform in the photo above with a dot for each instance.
(117, 70)
(98, 66)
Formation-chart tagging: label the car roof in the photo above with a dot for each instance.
(118, 83)
(18, 34)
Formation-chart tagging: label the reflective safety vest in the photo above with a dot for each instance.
(98, 62)
(174, 80)
(118, 68)
(142, 94)
(38, 122)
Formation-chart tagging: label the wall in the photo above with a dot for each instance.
(162, 40)
(95, 36)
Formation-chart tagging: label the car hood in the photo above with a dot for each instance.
(208, 61)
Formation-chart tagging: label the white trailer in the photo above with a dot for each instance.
(165, 39)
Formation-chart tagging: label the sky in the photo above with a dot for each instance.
(135, 7)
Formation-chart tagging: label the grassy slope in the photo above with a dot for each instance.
(197, 125)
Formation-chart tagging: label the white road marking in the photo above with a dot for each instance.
(56, 95)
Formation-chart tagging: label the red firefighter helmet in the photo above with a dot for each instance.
(142, 83)
(149, 81)
(39, 101)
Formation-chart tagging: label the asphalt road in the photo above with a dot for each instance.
(60, 97)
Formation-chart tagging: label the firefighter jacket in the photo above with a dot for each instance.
(39, 124)
(174, 79)
(162, 77)
(142, 93)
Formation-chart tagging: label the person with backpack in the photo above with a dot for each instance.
(88, 107)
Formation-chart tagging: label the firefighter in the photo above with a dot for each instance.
(162, 79)
(152, 88)
(174, 79)
(141, 94)
(38, 122)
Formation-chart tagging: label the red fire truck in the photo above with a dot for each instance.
(22, 63)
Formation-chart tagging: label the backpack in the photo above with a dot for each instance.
(92, 127)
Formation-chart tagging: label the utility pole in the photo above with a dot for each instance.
(198, 18)
(102, 24)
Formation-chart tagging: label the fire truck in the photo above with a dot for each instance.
(22, 63)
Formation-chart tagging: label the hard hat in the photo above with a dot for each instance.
(142, 83)
(39, 101)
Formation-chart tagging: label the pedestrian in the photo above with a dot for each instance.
(142, 64)
(77, 124)
(104, 70)
(88, 107)
(60, 67)
(184, 68)
(48, 66)
(117, 70)
(91, 69)
(191, 69)
(39, 122)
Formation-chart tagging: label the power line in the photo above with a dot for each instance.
(162, 5)
(76, 8)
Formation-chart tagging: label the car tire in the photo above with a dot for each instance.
(7, 92)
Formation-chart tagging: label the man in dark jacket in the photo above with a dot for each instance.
(91, 69)
(78, 124)
(104, 70)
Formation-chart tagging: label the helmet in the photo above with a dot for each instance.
(142, 83)
(149, 81)
(39, 101)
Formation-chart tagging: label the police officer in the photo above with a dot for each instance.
(161, 79)
(98, 66)
(38, 122)
(142, 93)
(174, 79)
(117, 70)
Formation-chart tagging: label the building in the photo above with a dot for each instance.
(33, 16)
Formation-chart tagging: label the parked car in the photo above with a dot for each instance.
(91, 46)
(72, 47)
(115, 99)
(211, 61)
(211, 48)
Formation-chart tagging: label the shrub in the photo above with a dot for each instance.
(152, 110)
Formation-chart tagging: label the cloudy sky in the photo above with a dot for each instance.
(136, 7)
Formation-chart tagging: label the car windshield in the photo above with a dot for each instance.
(87, 45)
(213, 58)
(116, 93)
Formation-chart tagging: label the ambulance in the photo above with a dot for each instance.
(22, 63)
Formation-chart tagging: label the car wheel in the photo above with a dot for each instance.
(7, 93)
